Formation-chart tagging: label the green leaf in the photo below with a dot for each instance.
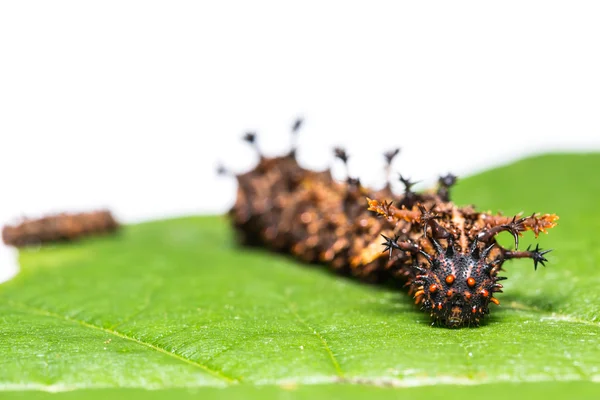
(177, 306)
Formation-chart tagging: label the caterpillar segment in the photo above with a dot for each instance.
(446, 255)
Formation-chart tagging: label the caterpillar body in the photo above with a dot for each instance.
(446, 255)
(59, 227)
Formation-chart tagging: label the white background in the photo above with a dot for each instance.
(130, 104)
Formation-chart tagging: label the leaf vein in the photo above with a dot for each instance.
(203, 367)
(334, 361)
(147, 303)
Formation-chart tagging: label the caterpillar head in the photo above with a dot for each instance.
(457, 258)
(456, 287)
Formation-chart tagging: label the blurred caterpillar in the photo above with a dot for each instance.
(447, 255)
(59, 227)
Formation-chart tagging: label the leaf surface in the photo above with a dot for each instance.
(176, 305)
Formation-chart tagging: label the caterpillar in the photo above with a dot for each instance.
(59, 227)
(446, 255)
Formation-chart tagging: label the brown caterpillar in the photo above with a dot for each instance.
(59, 227)
(447, 255)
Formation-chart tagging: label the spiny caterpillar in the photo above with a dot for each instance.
(447, 255)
